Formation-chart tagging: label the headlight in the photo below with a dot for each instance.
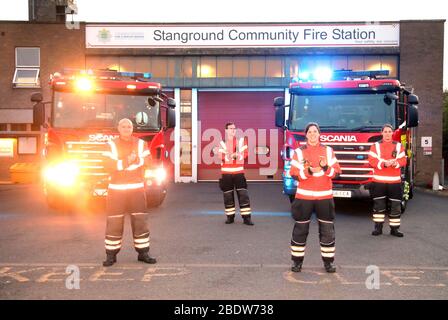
(63, 174)
(158, 174)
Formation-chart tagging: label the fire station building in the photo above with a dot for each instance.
(218, 73)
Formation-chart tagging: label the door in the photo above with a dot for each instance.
(253, 113)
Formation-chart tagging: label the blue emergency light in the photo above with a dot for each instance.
(325, 74)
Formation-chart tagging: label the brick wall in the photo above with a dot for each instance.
(59, 47)
(421, 66)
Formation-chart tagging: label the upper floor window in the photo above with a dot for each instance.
(27, 69)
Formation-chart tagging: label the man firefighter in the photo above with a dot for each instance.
(233, 152)
(313, 165)
(387, 157)
(126, 194)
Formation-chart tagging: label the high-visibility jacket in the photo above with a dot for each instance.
(314, 186)
(228, 164)
(125, 175)
(382, 151)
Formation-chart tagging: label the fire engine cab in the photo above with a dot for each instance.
(350, 107)
(85, 109)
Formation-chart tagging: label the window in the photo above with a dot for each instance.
(127, 64)
(187, 68)
(355, 63)
(339, 63)
(224, 66)
(274, 68)
(101, 62)
(257, 67)
(293, 67)
(159, 67)
(372, 63)
(390, 63)
(207, 68)
(28, 57)
(26, 77)
(241, 68)
(26, 74)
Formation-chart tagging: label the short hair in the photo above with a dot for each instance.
(311, 124)
(387, 125)
(125, 120)
(229, 124)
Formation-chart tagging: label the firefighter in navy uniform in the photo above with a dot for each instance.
(233, 152)
(387, 157)
(126, 194)
(313, 165)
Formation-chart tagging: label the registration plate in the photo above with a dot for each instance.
(342, 194)
(100, 192)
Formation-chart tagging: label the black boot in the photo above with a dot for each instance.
(247, 220)
(144, 256)
(394, 231)
(297, 266)
(329, 267)
(110, 260)
(378, 229)
(230, 219)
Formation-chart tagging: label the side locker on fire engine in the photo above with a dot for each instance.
(408, 140)
(155, 194)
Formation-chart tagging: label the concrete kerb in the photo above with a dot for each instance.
(441, 193)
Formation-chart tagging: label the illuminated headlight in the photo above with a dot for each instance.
(63, 174)
(158, 174)
(84, 84)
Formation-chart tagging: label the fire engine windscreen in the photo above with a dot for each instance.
(72, 110)
(350, 112)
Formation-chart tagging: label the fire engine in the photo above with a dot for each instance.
(85, 109)
(350, 107)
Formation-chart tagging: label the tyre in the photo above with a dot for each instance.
(154, 198)
(291, 197)
(57, 203)
(404, 203)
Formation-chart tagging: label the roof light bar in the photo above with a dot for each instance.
(107, 73)
(342, 74)
(325, 74)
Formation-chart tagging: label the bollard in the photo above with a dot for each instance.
(435, 181)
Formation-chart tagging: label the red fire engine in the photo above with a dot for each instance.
(350, 108)
(85, 109)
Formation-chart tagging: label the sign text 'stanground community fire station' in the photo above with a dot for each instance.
(219, 73)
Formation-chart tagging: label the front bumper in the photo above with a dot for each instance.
(356, 191)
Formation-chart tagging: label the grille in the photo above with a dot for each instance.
(89, 157)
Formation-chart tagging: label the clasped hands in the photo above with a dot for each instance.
(390, 163)
(322, 164)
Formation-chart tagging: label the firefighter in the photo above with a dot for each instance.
(387, 157)
(233, 152)
(126, 194)
(313, 165)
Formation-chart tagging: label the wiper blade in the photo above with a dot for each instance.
(328, 127)
(366, 128)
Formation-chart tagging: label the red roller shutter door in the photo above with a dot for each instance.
(249, 110)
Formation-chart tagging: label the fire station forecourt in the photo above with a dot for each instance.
(202, 262)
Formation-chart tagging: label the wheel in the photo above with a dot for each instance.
(58, 204)
(404, 203)
(291, 197)
(411, 191)
(154, 198)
